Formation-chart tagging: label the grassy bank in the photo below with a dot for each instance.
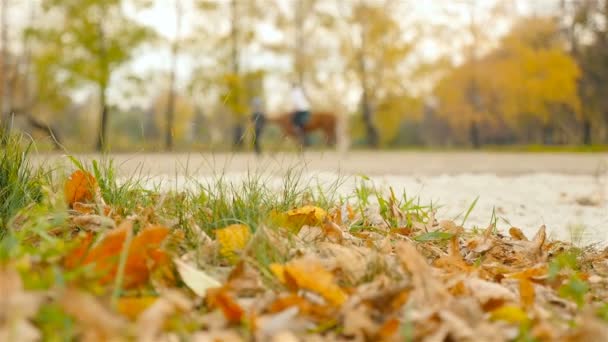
(84, 255)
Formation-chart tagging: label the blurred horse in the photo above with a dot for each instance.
(325, 122)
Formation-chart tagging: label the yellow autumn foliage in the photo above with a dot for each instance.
(232, 240)
(527, 77)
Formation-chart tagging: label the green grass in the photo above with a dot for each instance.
(20, 183)
(41, 234)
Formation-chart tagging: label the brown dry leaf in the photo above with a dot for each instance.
(150, 323)
(217, 336)
(221, 298)
(428, 290)
(132, 307)
(350, 263)
(93, 223)
(97, 322)
(268, 326)
(517, 234)
(81, 186)
(16, 308)
(490, 295)
(144, 254)
(308, 273)
(233, 240)
(359, 323)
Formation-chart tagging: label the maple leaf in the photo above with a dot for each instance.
(143, 254)
(81, 186)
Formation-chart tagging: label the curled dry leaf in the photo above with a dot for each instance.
(306, 215)
(94, 223)
(428, 290)
(81, 186)
(309, 274)
(197, 280)
(490, 295)
(517, 234)
(233, 239)
(222, 299)
(17, 306)
(97, 321)
(150, 323)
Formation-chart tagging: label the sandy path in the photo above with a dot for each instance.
(525, 190)
(369, 163)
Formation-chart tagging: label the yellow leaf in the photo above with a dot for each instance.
(308, 273)
(132, 307)
(509, 313)
(232, 239)
(279, 271)
(306, 215)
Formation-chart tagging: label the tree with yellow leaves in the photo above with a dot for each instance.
(526, 79)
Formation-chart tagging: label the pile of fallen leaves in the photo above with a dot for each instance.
(307, 275)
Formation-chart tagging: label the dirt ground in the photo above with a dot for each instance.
(368, 163)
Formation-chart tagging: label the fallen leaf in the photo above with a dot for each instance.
(17, 307)
(509, 313)
(222, 299)
(428, 290)
(143, 254)
(151, 322)
(309, 274)
(81, 186)
(97, 321)
(132, 307)
(306, 215)
(517, 234)
(198, 281)
(490, 295)
(232, 239)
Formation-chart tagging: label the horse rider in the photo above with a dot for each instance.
(301, 113)
(259, 120)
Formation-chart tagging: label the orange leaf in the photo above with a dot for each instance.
(526, 292)
(144, 254)
(132, 307)
(388, 329)
(77, 255)
(80, 187)
(221, 298)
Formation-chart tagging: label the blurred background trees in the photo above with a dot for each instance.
(181, 74)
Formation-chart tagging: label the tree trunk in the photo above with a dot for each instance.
(170, 113)
(234, 36)
(366, 110)
(474, 135)
(103, 86)
(586, 132)
(368, 120)
(548, 134)
(103, 126)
